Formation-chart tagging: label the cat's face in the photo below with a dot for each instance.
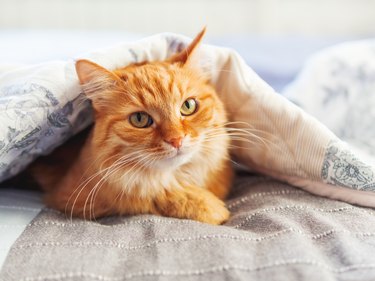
(158, 114)
(164, 110)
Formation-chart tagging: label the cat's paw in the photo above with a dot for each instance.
(193, 203)
(212, 212)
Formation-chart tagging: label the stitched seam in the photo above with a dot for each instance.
(288, 207)
(263, 194)
(197, 272)
(195, 238)
(168, 221)
(83, 223)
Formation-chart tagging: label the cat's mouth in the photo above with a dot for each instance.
(176, 153)
(174, 158)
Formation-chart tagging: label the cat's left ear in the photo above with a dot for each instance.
(89, 72)
(96, 81)
(185, 55)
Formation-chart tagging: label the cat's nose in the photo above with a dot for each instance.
(175, 142)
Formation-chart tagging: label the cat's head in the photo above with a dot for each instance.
(159, 114)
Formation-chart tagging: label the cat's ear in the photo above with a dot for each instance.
(95, 79)
(185, 55)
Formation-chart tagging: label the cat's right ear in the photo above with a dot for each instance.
(185, 55)
(94, 79)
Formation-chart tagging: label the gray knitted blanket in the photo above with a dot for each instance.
(276, 232)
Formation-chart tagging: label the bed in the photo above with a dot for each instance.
(276, 231)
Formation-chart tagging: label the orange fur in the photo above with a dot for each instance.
(126, 170)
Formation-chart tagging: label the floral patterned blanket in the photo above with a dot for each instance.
(338, 86)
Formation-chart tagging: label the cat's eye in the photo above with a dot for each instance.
(140, 120)
(189, 107)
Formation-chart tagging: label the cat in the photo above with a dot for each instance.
(158, 145)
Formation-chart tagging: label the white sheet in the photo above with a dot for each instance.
(17, 209)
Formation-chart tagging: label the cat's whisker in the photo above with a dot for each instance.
(208, 149)
(113, 169)
(89, 167)
(239, 132)
(141, 165)
(136, 170)
(132, 170)
(95, 174)
(244, 137)
(249, 127)
(80, 188)
(246, 130)
(94, 192)
(85, 183)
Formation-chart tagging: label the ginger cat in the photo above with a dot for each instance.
(159, 145)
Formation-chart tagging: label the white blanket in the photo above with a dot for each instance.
(40, 107)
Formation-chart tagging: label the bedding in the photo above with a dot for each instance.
(17, 209)
(295, 234)
(42, 106)
(276, 232)
(338, 87)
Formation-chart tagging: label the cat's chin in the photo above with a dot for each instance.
(174, 160)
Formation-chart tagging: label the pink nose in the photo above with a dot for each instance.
(175, 142)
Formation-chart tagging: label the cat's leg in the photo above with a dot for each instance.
(192, 203)
(78, 200)
(219, 182)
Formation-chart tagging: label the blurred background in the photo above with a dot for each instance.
(306, 17)
(274, 36)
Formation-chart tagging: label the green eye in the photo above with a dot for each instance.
(140, 120)
(189, 107)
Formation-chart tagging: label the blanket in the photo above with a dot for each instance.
(41, 107)
(276, 232)
(337, 86)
